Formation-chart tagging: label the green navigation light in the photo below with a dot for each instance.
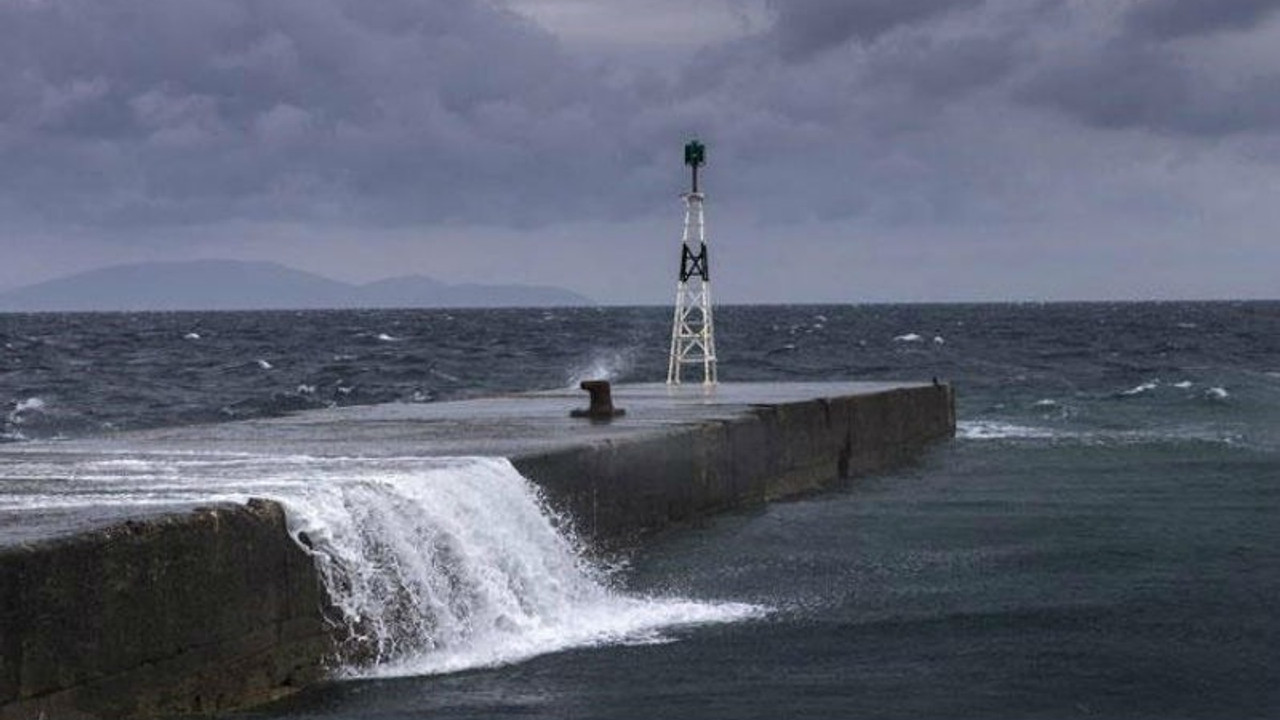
(695, 154)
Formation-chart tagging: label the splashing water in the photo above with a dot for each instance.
(434, 564)
(460, 566)
(604, 365)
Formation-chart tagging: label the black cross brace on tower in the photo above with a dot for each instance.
(694, 264)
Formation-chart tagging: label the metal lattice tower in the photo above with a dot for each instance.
(693, 339)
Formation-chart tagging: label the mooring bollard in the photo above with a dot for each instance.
(601, 401)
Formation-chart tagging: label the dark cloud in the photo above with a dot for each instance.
(805, 28)
(943, 69)
(351, 130)
(1124, 85)
(1120, 86)
(1170, 19)
(138, 111)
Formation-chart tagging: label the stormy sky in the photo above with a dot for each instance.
(858, 150)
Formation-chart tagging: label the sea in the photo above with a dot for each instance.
(1100, 539)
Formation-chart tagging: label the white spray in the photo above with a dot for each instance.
(434, 564)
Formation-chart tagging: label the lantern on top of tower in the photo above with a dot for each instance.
(695, 156)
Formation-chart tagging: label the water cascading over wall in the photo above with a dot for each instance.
(428, 566)
(459, 565)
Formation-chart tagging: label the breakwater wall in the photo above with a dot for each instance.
(219, 608)
(617, 490)
(205, 611)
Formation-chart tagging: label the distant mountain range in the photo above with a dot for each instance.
(237, 285)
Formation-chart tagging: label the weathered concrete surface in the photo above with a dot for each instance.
(219, 608)
(205, 611)
(618, 489)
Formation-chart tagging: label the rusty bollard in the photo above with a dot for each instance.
(601, 402)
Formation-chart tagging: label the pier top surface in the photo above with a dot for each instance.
(512, 426)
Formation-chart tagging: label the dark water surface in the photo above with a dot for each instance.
(1101, 540)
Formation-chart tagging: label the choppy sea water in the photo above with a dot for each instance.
(1101, 539)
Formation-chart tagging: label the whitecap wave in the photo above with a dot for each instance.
(31, 404)
(1140, 389)
(1095, 437)
(997, 430)
(22, 412)
(908, 337)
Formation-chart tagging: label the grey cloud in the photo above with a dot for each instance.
(863, 132)
(1120, 86)
(351, 120)
(136, 112)
(943, 69)
(1117, 68)
(805, 28)
(1133, 85)
(1170, 19)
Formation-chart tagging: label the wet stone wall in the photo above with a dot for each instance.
(197, 612)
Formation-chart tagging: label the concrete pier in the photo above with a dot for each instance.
(218, 608)
(209, 610)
